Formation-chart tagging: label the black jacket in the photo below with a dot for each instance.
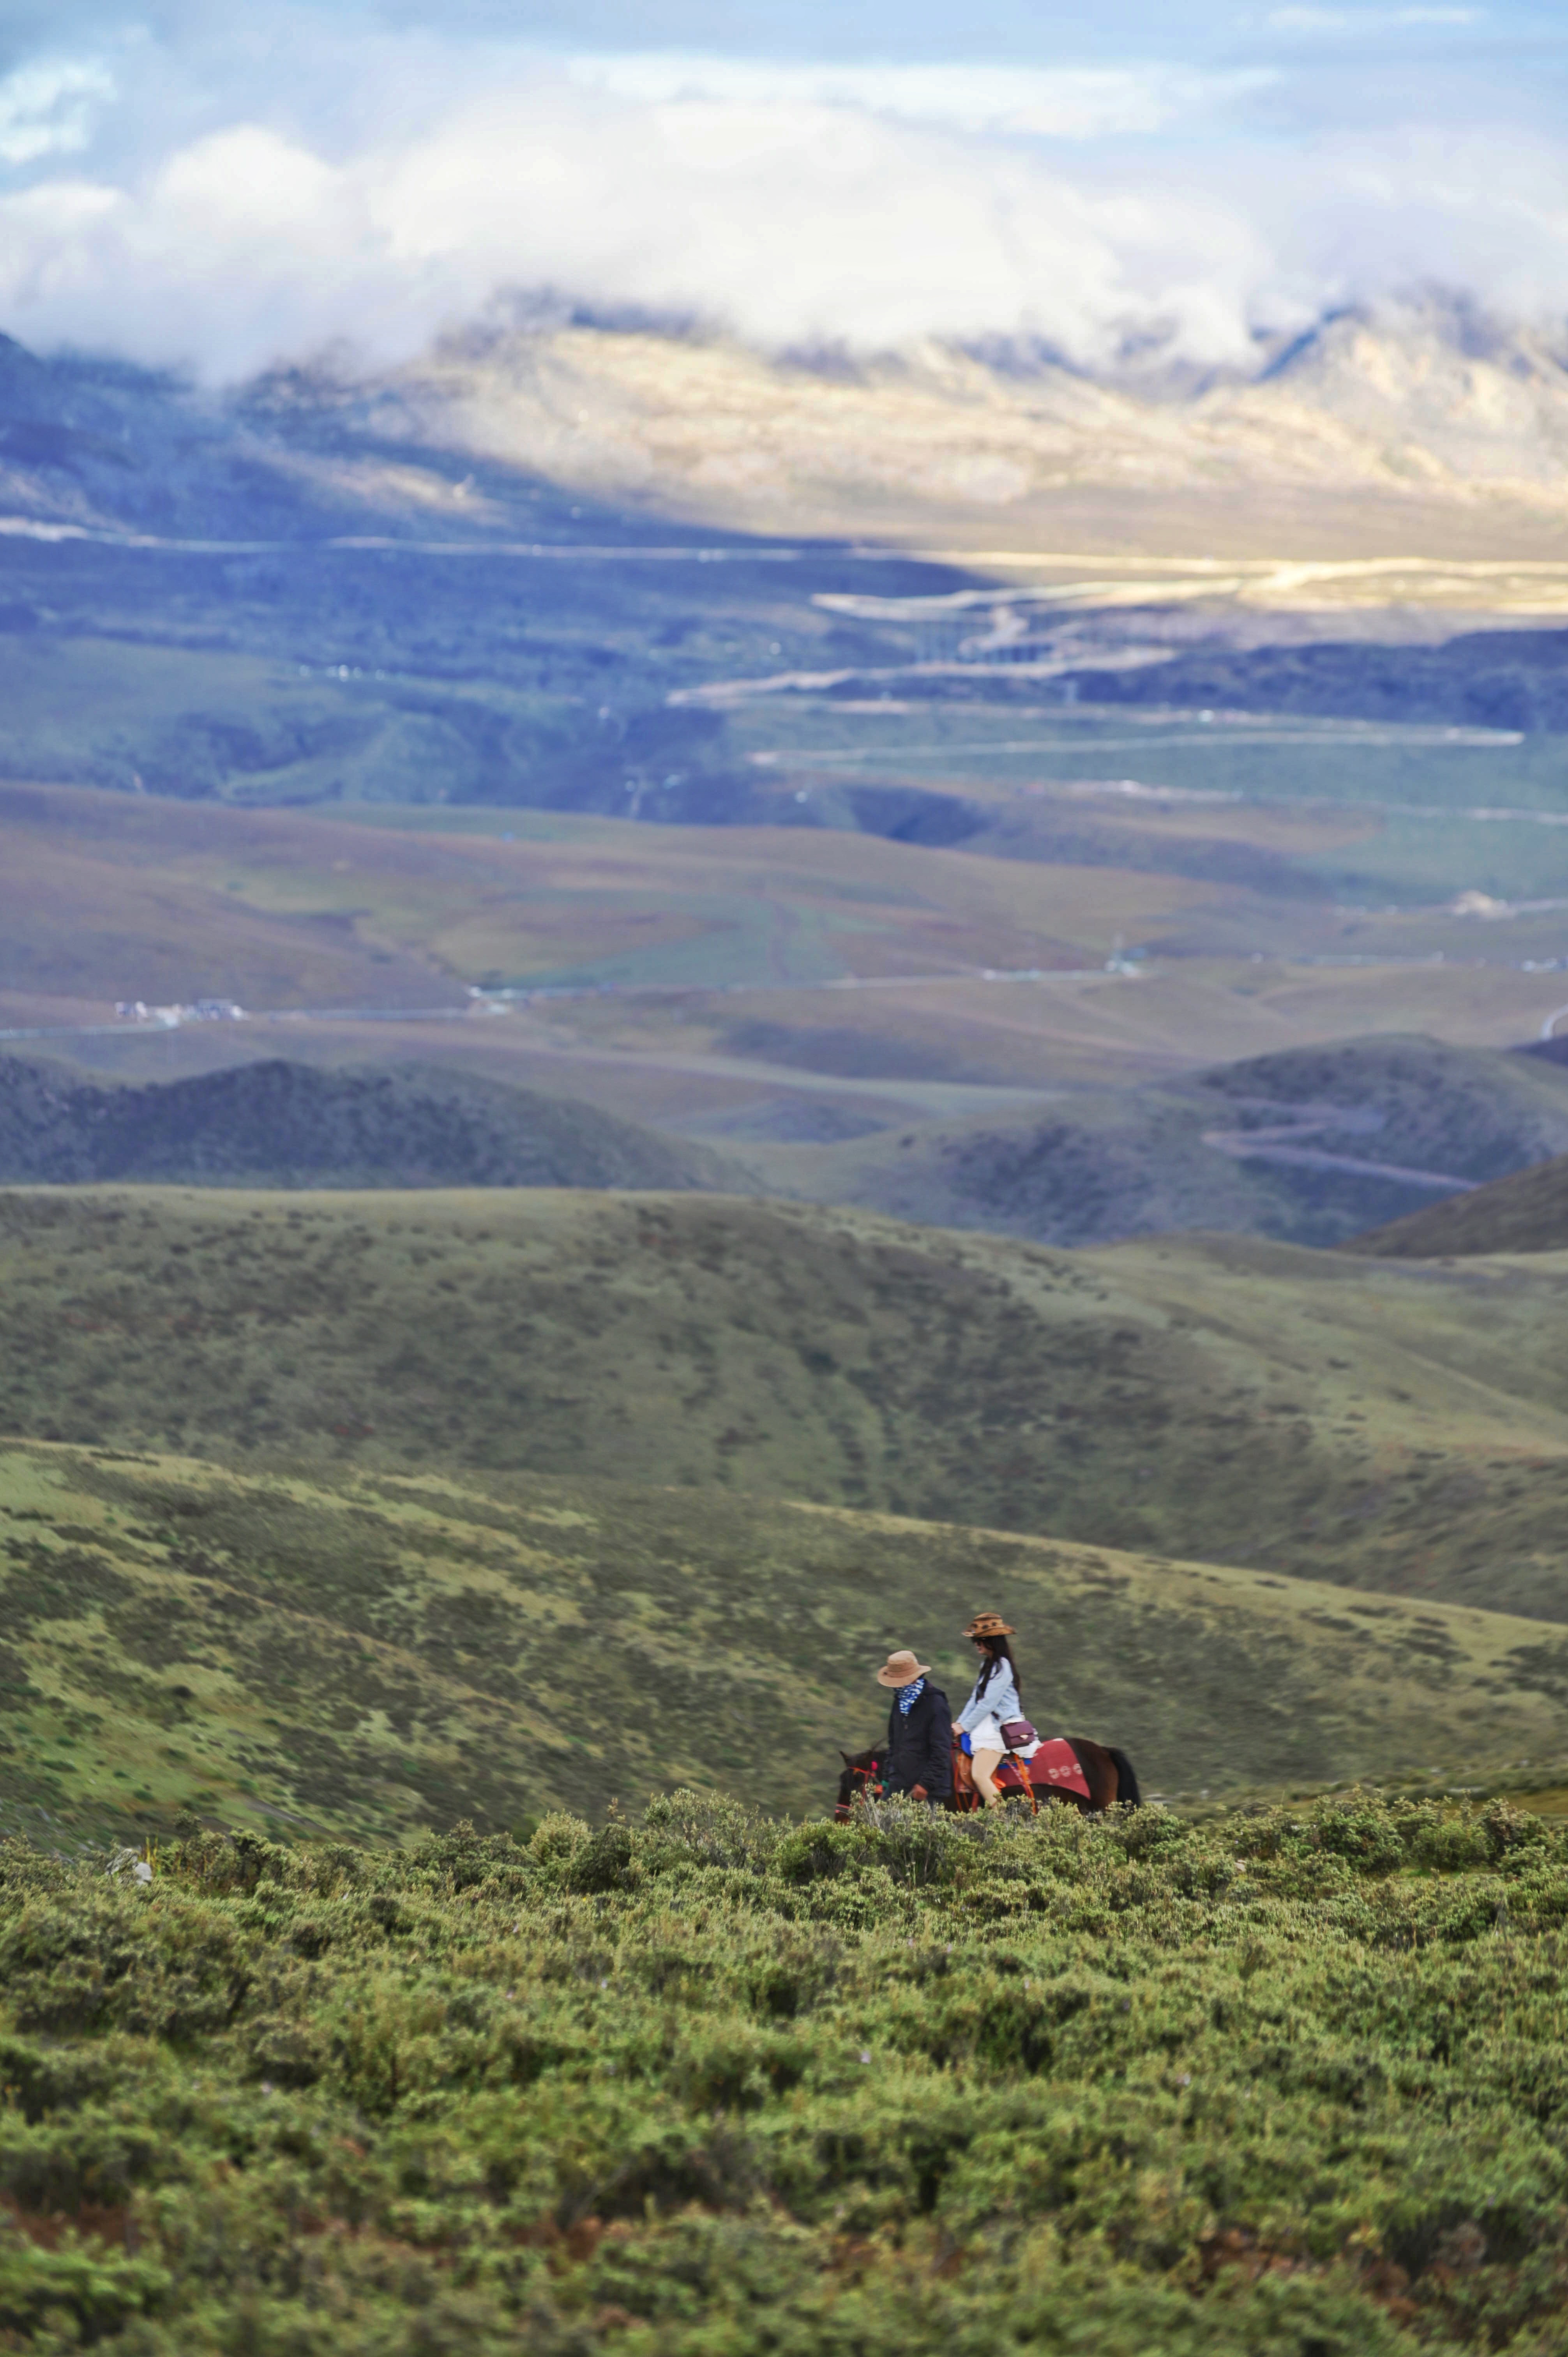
(920, 1747)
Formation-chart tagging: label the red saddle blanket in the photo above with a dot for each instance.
(1054, 1764)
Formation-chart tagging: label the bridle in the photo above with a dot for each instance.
(864, 1783)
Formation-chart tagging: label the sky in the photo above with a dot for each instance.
(222, 187)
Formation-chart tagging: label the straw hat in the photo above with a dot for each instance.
(990, 1624)
(902, 1669)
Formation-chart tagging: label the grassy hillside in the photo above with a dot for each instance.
(373, 1655)
(1526, 1212)
(276, 1124)
(1382, 1424)
(1292, 2084)
(1310, 1145)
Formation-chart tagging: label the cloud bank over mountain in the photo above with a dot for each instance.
(223, 193)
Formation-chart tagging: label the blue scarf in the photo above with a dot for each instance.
(909, 1695)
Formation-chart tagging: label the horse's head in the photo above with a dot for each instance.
(862, 1772)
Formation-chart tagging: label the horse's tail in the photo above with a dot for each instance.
(1127, 1792)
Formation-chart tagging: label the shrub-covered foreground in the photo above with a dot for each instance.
(1293, 2083)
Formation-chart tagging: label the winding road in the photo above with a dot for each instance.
(1276, 1141)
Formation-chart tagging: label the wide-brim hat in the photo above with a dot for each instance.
(902, 1669)
(990, 1624)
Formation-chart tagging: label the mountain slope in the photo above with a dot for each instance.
(279, 1123)
(1377, 1423)
(1414, 411)
(379, 1656)
(1526, 1212)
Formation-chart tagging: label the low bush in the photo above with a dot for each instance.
(713, 2087)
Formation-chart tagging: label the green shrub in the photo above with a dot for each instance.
(82, 2288)
(819, 1851)
(1452, 1845)
(713, 2087)
(604, 1862)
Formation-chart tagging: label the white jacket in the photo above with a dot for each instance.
(999, 1700)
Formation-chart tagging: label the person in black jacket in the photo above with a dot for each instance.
(919, 1731)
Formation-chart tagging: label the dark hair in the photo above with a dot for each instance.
(997, 1650)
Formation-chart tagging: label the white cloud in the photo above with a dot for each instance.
(47, 108)
(375, 189)
(1056, 102)
(798, 219)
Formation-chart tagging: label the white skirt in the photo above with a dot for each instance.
(987, 1736)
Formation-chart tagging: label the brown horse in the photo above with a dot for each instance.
(1108, 1772)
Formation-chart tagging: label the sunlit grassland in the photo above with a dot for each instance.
(1280, 759)
(1362, 810)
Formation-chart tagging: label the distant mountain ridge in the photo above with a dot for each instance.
(1423, 402)
(278, 1124)
(1424, 406)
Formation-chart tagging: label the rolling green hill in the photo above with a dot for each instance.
(1382, 1424)
(276, 1124)
(377, 1656)
(1526, 1212)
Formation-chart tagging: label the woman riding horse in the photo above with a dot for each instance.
(993, 1718)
